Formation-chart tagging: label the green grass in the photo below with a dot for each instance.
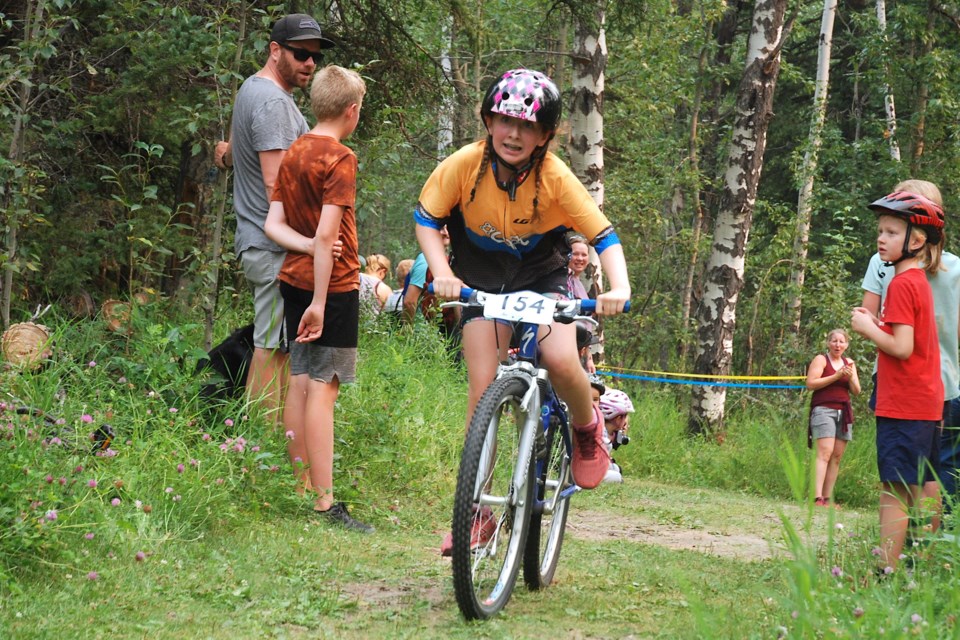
(285, 577)
(702, 541)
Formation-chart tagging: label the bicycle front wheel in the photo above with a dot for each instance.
(549, 518)
(490, 514)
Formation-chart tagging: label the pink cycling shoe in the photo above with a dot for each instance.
(484, 526)
(591, 460)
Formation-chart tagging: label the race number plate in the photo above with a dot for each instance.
(522, 306)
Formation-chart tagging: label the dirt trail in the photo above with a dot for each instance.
(600, 527)
(595, 526)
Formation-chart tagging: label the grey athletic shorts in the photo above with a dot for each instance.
(826, 423)
(261, 269)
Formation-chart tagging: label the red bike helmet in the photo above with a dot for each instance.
(915, 209)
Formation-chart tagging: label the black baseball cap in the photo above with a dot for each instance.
(299, 26)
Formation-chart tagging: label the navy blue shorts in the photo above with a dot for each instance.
(908, 451)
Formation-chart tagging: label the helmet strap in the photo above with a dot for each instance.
(517, 174)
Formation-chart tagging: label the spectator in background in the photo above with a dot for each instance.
(832, 377)
(579, 259)
(414, 296)
(374, 292)
(616, 407)
(394, 304)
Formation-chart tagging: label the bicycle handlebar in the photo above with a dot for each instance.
(586, 305)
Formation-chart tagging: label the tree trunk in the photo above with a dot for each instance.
(923, 96)
(217, 242)
(717, 312)
(449, 106)
(810, 158)
(888, 102)
(33, 16)
(697, 226)
(586, 121)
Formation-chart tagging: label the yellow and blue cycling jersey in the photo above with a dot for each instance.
(497, 244)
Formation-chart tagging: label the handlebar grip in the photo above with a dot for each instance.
(465, 292)
(588, 305)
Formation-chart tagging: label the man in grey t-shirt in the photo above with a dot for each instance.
(266, 121)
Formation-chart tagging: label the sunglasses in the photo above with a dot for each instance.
(302, 55)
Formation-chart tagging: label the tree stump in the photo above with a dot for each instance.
(26, 344)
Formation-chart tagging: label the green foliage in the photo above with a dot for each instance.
(114, 84)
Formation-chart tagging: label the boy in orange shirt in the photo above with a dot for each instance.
(312, 205)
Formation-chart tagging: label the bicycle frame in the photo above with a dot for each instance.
(527, 363)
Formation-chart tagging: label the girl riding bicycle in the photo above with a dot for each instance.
(507, 203)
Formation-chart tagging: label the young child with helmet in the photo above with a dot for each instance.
(616, 407)
(508, 202)
(909, 390)
(945, 284)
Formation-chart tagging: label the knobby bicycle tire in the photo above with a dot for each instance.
(548, 520)
(484, 577)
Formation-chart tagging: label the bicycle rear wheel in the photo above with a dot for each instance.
(549, 518)
(490, 517)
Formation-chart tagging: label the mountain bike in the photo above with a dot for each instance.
(514, 483)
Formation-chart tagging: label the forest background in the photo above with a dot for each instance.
(111, 110)
(189, 524)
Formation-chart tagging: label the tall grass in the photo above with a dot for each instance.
(749, 458)
(181, 469)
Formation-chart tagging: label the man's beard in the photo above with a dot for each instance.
(287, 73)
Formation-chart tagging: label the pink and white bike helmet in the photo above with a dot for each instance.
(615, 403)
(525, 94)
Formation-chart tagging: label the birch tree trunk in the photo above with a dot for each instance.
(717, 313)
(810, 158)
(448, 107)
(888, 103)
(586, 120)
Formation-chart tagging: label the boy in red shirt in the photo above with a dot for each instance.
(312, 205)
(909, 388)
